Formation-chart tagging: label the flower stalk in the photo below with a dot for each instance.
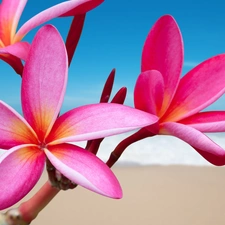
(31, 208)
(120, 148)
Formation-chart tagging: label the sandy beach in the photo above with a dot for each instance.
(154, 195)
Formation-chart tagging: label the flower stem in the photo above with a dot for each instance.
(30, 209)
(115, 155)
(94, 145)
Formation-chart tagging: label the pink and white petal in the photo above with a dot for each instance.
(10, 13)
(149, 92)
(163, 51)
(21, 168)
(44, 80)
(206, 121)
(97, 121)
(200, 142)
(19, 50)
(66, 8)
(14, 62)
(14, 130)
(84, 169)
(199, 88)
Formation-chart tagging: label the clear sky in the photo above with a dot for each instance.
(113, 37)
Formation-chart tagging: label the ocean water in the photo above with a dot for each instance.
(158, 150)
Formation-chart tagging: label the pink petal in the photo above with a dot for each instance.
(21, 168)
(163, 51)
(85, 169)
(14, 62)
(97, 121)
(198, 89)
(44, 80)
(10, 12)
(207, 121)
(67, 8)
(74, 34)
(200, 142)
(19, 49)
(14, 130)
(149, 92)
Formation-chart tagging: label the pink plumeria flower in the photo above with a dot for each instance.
(177, 101)
(41, 133)
(12, 49)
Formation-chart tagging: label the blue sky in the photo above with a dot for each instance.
(113, 37)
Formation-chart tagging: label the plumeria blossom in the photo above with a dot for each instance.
(12, 48)
(178, 101)
(42, 134)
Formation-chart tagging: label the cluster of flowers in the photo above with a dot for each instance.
(165, 103)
